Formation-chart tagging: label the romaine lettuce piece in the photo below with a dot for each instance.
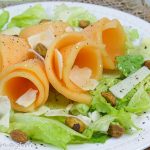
(125, 119)
(4, 17)
(132, 35)
(140, 101)
(46, 130)
(78, 109)
(144, 48)
(102, 124)
(72, 15)
(31, 16)
(98, 137)
(129, 64)
(99, 103)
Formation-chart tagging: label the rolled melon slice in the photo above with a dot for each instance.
(66, 52)
(57, 27)
(12, 50)
(25, 82)
(112, 35)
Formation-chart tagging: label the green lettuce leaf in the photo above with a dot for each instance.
(78, 109)
(102, 124)
(72, 15)
(4, 17)
(99, 103)
(98, 137)
(132, 35)
(125, 119)
(144, 48)
(140, 101)
(129, 64)
(31, 16)
(45, 130)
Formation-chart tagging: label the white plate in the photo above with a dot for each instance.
(138, 141)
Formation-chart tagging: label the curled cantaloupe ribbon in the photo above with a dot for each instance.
(12, 50)
(56, 27)
(15, 80)
(112, 35)
(75, 50)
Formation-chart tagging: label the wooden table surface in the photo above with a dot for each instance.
(135, 7)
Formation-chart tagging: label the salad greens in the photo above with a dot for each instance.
(100, 104)
(132, 35)
(140, 101)
(45, 130)
(4, 17)
(78, 109)
(72, 15)
(144, 48)
(128, 64)
(102, 124)
(29, 17)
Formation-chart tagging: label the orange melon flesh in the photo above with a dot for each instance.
(16, 79)
(12, 50)
(75, 50)
(56, 27)
(112, 35)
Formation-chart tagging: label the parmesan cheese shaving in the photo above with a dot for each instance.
(58, 63)
(81, 78)
(123, 87)
(5, 108)
(27, 98)
(44, 38)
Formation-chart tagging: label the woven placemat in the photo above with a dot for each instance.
(135, 7)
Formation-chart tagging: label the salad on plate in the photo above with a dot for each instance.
(71, 78)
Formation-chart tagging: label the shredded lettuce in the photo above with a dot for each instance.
(78, 109)
(72, 15)
(4, 17)
(140, 101)
(129, 64)
(31, 16)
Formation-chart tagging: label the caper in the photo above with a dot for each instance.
(75, 123)
(41, 49)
